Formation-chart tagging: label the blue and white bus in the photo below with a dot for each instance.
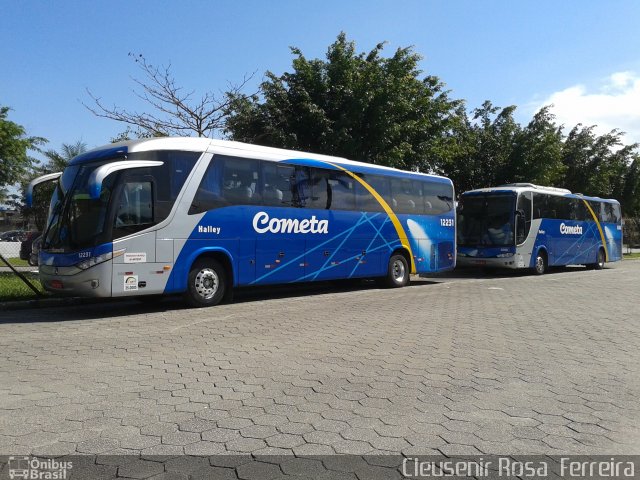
(528, 226)
(200, 217)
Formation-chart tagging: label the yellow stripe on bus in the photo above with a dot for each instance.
(604, 240)
(404, 240)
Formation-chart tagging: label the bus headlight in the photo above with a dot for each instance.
(504, 255)
(460, 254)
(92, 261)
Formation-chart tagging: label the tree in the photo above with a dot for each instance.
(175, 112)
(485, 148)
(14, 144)
(596, 165)
(58, 161)
(537, 152)
(357, 105)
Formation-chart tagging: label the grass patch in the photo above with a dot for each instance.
(631, 256)
(16, 262)
(13, 288)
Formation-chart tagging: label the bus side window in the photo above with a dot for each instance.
(135, 208)
(209, 194)
(342, 189)
(403, 196)
(617, 213)
(240, 179)
(523, 216)
(276, 185)
(365, 200)
(321, 191)
(300, 187)
(610, 212)
(438, 198)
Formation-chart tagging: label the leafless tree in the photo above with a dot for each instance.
(173, 111)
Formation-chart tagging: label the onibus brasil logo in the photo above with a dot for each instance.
(34, 468)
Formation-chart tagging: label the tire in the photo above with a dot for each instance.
(600, 260)
(397, 272)
(206, 284)
(540, 265)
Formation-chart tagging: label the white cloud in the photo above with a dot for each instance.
(615, 103)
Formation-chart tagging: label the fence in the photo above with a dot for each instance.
(10, 250)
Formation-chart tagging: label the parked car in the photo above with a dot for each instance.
(25, 246)
(12, 236)
(35, 249)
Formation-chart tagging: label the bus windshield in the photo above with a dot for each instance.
(486, 220)
(76, 220)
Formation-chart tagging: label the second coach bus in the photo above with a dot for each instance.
(199, 217)
(529, 226)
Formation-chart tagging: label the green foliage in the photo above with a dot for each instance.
(13, 288)
(358, 105)
(596, 165)
(14, 161)
(537, 152)
(487, 142)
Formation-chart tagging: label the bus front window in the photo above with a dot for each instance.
(76, 220)
(486, 221)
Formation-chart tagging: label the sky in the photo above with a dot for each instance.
(582, 56)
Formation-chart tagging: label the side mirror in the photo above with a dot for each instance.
(44, 178)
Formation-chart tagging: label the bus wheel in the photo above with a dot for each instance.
(398, 272)
(599, 265)
(541, 263)
(206, 284)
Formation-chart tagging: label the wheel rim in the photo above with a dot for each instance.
(206, 283)
(600, 259)
(540, 264)
(398, 271)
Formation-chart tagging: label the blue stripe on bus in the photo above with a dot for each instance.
(100, 155)
(337, 254)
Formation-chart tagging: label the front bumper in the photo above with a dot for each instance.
(514, 262)
(93, 282)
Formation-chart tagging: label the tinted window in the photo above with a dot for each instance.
(239, 181)
(276, 185)
(342, 191)
(553, 206)
(301, 188)
(169, 178)
(610, 212)
(617, 213)
(227, 181)
(579, 210)
(486, 220)
(365, 201)
(134, 208)
(523, 218)
(406, 196)
(320, 190)
(438, 198)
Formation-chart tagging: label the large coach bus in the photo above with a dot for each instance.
(200, 217)
(528, 226)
